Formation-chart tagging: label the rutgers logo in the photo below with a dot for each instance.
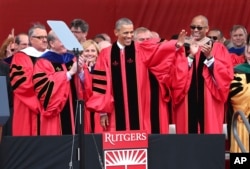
(126, 159)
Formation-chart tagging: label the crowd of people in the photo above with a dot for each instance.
(137, 82)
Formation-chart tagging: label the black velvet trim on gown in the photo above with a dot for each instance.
(196, 98)
(131, 77)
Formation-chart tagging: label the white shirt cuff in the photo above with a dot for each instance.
(68, 76)
(209, 62)
(190, 61)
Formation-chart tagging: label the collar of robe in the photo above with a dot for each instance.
(58, 58)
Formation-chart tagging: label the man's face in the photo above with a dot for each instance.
(199, 28)
(142, 36)
(125, 34)
(39, 39)
(24, 42)
(214, 35)
(80, 36)
(238, 38)
(57, 46)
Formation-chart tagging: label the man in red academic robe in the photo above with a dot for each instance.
(159, 113)
(58, 87)
(26, 107)
(201, 83)
(121, 86)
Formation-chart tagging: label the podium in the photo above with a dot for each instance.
(164, 152)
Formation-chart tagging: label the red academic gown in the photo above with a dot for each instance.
(158, 58)
(216, 89)
(236, 59)
(26, 105)
(56, 93)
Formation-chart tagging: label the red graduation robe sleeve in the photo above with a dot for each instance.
(160, 59)
(219, 83)
(26, 104)
(102, 102)
(56, 84)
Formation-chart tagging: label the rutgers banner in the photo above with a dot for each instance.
(125, 150)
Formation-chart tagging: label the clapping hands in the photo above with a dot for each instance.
(194, 47)
(207, 48)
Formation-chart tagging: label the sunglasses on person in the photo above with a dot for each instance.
(40, 37)
(214, 38)
(193, 27)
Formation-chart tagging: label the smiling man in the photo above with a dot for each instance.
(26, 105)
(121, 85)
(202, 83)
(238, 35)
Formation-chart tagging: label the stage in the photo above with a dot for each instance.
(164, 152)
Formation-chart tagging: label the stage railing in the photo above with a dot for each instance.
(235, 131)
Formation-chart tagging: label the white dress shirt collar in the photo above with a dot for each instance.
(120, 45)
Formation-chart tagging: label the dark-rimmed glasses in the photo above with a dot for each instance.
(198, 27)
(214, 38)
(40, 37)
(77, 32)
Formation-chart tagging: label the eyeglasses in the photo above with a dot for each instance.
(77, 32)
(143, 39)
(40, 37)
(198, 27)
(213, 37)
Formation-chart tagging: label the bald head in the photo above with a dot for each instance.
(202, 19)
(51, 37)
